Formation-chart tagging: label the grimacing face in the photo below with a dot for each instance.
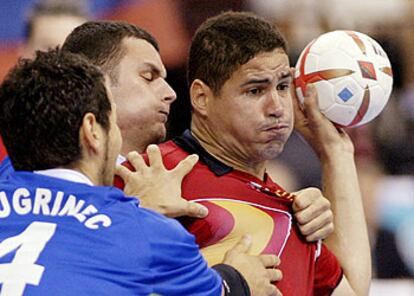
(252, 116)
(142, 95)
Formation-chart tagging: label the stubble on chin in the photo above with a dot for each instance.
(272, 152)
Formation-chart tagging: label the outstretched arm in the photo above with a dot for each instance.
(349, 241)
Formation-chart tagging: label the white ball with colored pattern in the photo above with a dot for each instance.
(352, 75)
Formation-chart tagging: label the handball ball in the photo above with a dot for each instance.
(352, 75)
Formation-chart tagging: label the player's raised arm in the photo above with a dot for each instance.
(157, 187)
(349, 242)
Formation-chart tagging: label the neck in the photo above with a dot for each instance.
(66, 174)
(214, 147)
(88, 170)
(134, 147)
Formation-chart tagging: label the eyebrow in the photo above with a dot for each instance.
(155, 69)
(286, 75)
(256, 81)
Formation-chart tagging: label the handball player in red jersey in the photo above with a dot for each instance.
(243, 114)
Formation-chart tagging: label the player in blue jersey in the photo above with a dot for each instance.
(60, 234)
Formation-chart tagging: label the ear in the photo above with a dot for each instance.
(91, 134)
(200, 94)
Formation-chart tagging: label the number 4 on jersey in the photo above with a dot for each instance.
(23, 270)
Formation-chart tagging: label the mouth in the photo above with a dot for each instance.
(277, 130)
(276, 127)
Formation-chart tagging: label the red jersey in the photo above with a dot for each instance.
(239, 203)
(3, 152)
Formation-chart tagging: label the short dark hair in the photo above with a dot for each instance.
(75, 8)
(101, 42)
(42, 105)
(225, 42)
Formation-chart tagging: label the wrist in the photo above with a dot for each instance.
(336, 156)
(234, 284)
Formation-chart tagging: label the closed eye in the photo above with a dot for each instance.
(148, 76)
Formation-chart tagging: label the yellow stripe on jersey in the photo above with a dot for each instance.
(247, 220)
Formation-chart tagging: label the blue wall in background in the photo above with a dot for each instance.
(12, 15)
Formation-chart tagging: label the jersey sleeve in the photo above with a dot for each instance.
(177, 267)
(328, 273)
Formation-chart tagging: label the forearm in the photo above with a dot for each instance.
(349, 242)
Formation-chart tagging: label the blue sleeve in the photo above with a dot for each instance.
(177, 264)
(6, 168)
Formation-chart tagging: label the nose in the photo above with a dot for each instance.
(274, 106)
(168, 94)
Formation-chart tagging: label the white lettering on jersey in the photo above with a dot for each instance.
(72, 206)
(43, 203)
(93, 222)
(89, 210)
(5, 206)
(22, 203)
(57, 204)
(23, 270)
(42, 199)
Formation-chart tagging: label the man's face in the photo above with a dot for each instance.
(252, 116)
(142, 95)
(49, 31)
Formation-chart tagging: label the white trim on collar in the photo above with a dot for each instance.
(120, 159)
(66, 174)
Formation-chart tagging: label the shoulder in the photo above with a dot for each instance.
(171, 153)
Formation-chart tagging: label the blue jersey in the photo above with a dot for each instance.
(59, 237)
(6, 167)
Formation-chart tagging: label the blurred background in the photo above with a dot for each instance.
(384, 147)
